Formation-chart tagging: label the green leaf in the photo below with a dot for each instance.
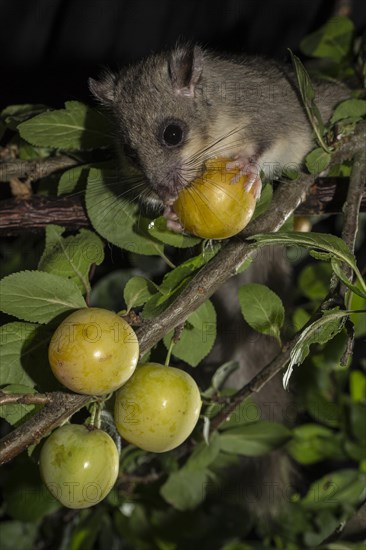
(17, 534)
(319, 332)
(333, 40)
(308, 97)
(317, 160)
(15, 114)
(314, 280)
(204, 454)
(312, 443)
(264, 201)
(330, 244)
(26, 497)
(357, 421)
(358, 319)
(158, 229)
(357, 386)
(350, 108)
(137, 291)
(108, 291)
(37, 296)
(186, 489)
(262, 309)
(198, 336)
(254, 439)
(77, 127)
(338, 269)
(23, 355)
(246, 412)
(73, 180)
(71, 257)
(173, 279)
(223, 373)
(15, 413)
(113, 216)
(341, 488)
(300, 318)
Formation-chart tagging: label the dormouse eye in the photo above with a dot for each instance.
(173, 133)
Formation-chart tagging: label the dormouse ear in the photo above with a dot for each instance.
(185, 68)
(103, 89)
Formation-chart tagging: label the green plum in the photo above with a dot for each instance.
(157, 408)
(93, 351)
(79, 465)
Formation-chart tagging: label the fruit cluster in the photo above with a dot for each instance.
(95, 352)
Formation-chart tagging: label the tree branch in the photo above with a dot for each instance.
(35, 169)
(223, 266)
(327, 196)
(26, 398)
(61, 407)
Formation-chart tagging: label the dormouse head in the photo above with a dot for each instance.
(160, 113)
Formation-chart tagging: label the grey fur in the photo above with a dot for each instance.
(253, 97)
(256, 101)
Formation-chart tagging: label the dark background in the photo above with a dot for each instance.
(49, 48)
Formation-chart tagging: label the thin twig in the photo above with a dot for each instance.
(35, 169)
(27, 398)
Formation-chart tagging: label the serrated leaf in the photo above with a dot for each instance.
(319, 332)
(313, 241)
(317, 160)
(73, 180)
(197, 337)
(333, 40)
(350, 108)
(176, 276)
(185, 489)
(308, 97)
(138, 290)
(345, 487)
(254, 438)
(113, 216)
(262, 309)
(23, 355)
(77, 127)
(73, 256)
(37, 296)
(158, 229)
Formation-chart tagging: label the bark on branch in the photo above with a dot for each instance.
(327, 196)
(223, 266)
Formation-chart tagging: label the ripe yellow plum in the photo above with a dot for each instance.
(212, 206)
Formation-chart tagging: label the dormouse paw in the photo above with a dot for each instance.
(172, 221)
(249, 169)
